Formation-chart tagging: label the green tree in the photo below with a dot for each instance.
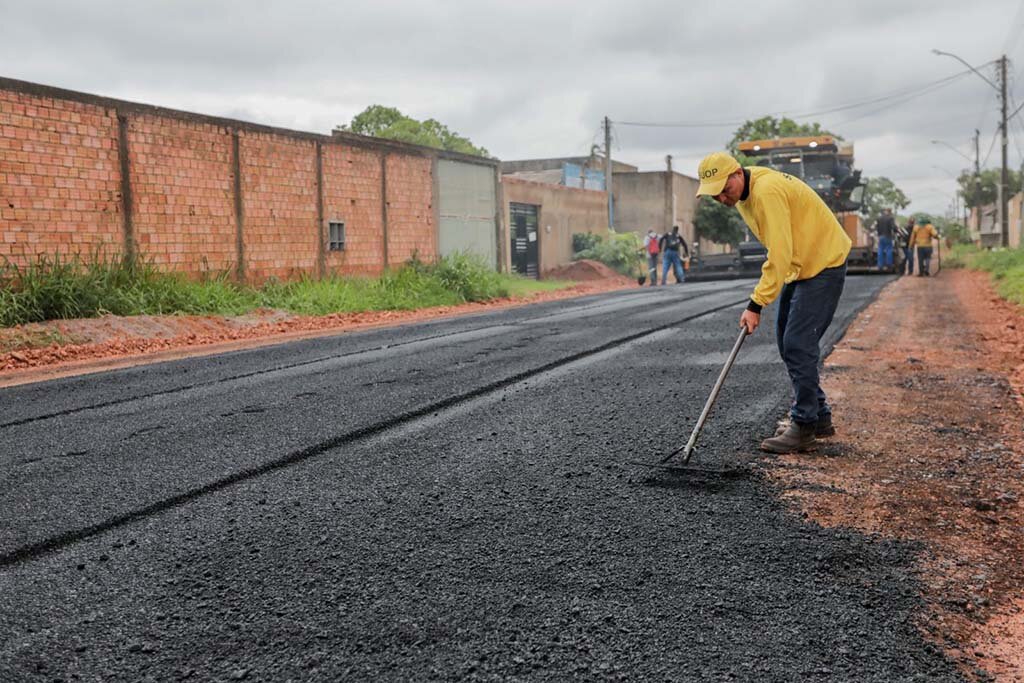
(882, 193)
(987, 190)
(952, 230)
(388, 122)
(718, 222)
(768, 127)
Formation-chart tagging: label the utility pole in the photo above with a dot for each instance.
(977, 185)
(1004, 180)
(1020, 208)
(670, 198)
(1004, 219)
(964, 197)
(608, 171)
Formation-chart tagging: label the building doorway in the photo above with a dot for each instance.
(523, 221)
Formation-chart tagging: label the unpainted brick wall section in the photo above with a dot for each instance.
(279, 204)
(352, 195)
(61, 190)
(411, 229)
(183, 213)
(59, 178)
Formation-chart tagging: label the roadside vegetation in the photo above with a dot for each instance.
(1005, 265)
(620, 251)
(54, 288)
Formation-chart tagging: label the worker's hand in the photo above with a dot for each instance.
(750, 320)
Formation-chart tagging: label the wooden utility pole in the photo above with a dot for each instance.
(608, 171)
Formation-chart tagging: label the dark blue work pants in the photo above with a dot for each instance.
(671, 256)
(884, 252)
(924, 260)
(805, 311)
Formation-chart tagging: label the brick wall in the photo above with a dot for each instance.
(61, 189)
(59, 178)
(352, 194)
(411, 227)
(280, 228)
(183, 193)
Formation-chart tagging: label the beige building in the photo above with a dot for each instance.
(1016, 226)
(985, 229)
(642, 200)
(660, 200)
(541, 219)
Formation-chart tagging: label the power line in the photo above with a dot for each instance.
(1016, 144)
(905, 94)
(916, 92)
(1015, 29)
(1016, 138)
(992, 146)
(988, 104)
(904, 100)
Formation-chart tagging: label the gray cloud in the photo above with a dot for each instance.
(535, 78)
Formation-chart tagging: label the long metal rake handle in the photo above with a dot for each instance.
(688, 449)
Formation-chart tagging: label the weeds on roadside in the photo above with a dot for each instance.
(56, 287)
(1005, 265)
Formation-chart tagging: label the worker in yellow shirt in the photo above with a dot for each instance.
(805, 269)
(921, 238)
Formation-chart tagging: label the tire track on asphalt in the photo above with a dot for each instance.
(60, 541)
(328, 358)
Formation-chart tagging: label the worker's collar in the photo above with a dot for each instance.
(746, 185)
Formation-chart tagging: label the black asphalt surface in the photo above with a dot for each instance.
(449, 500)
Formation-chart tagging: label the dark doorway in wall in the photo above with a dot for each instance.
(523, 221)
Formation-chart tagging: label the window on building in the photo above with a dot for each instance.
(336, 235)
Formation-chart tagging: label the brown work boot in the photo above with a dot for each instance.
(823, 428)
(797, 438)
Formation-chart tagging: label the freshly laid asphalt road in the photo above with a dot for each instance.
(439, 501)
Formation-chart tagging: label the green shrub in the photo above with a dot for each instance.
(581, 241)
(621, 251)
(470, 277)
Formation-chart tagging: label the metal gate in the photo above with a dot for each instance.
(523, 221)
(467, 209)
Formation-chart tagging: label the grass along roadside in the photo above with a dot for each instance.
(1006, 267)
(53, 288)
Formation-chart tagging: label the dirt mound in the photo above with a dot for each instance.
(584, 270)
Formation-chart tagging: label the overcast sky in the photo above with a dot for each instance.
(534, 78)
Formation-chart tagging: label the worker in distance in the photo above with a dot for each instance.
(805, 269)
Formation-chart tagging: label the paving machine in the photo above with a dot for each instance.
(826, 165)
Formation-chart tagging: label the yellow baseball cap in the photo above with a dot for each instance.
(713, 171)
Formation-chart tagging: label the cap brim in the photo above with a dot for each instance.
(712, 188)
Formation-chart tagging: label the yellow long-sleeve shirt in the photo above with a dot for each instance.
(800, 232)
(923, 235)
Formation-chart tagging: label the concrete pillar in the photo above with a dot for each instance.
(321, 237)
(384, 205)
(127, 203)
(236, 171)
